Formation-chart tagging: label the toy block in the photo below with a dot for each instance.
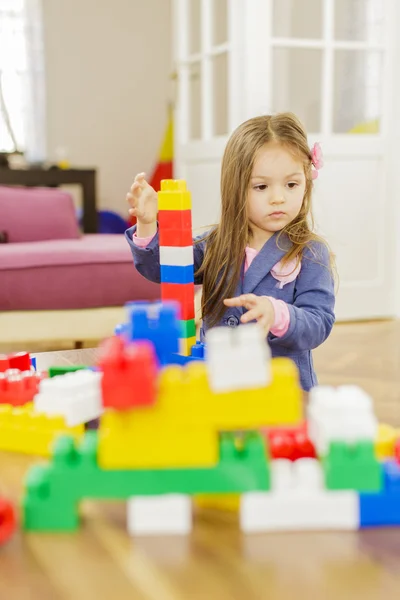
(298, 501)
(129, 374)
(188, 328)
(173, 220)
(176, 256)
(175, 237)
(397, 451)
(20, 361)
(352, 467)
(382, 508)
(342, 414)
(53, 492)
(177, 275)
(181, 293)
(4, 364)
(186, 345)
(290, 443)
(8, 520)
(223, 502)
(157, 324)
(76, 396)
(63, 370)
(238, 359)
(18, 387)
(198, 351)
(385, 441)
(169, 514)
(174, 195)
(22, 430)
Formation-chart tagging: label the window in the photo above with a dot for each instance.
(21, 78)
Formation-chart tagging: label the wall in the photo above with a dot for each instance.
(108, 64)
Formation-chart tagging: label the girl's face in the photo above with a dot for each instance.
(277, 188)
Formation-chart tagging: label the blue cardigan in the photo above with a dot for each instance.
(310, 297)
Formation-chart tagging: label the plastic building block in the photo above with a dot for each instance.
(382, 508)
(397, 451)
(20, 361)
(352, 467)
(158, 324)
(198, 351)
(174, 195)
(237, 359)
(181, 275)
(290, 443)
(55, 371)
(175, 256)
(175, 237)
(23, 430)
(170, 514)
(224, 502)
(188, 328)
(33, 363)
(186, 345)
(172, 220)
(76, 396)
(18, 387)
(53, 491)
(298, 501)
(181, 293)
(4, 364)
(340, 414)
(129, 374)
(385, 441)
(8, 520)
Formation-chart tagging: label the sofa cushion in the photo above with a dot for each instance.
(35, 214)
(93, 271)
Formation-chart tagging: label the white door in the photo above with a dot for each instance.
(330, 62)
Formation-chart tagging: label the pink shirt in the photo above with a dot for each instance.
(282, 315)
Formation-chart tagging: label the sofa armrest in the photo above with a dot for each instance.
(37, 214)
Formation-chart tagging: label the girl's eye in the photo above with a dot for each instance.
(292, 185)
(261, 187)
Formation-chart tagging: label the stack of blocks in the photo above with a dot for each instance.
(176, 255)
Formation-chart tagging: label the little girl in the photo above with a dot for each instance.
(262, 261)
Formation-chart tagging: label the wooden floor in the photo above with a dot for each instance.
(217, 562)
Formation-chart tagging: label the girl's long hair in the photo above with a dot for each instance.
(226, 243)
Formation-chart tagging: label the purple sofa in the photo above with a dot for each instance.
(48, 265)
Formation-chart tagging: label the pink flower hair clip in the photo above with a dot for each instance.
(317, 159)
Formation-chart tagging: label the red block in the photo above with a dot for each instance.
(129, 374)
(4, 364)
(8, 520)
(18, 388)
(291, 443)
(175, 237)
(20, 360)
(397, 451)
(175, 219)
(182, 293)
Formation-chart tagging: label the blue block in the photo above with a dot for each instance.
(33, 362)
(179, 359)
(121, 329)
(157, 323)
(382, 508)
(198, 351)
(171, 274)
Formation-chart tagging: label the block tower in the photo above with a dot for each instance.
(176, 255)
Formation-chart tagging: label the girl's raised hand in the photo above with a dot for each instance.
(259, 309)
(142, 199)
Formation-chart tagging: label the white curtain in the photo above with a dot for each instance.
(22, 102)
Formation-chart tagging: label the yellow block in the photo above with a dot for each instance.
(385, 441)
(174, 195)
(226, 502)
(23, 430)
(185, 345)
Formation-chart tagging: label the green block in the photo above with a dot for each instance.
(352, 467)
(53, 491)
(188, 328)
(53, 371)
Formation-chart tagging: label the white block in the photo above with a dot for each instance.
(237, 358)
(298, 501)
(176, 256)
(75, 396)
(153, 515)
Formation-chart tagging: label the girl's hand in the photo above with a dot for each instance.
(259, 309)
(142, 199)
